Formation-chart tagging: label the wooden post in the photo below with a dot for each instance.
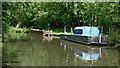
(100, 36)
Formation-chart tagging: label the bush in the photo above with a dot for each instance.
(114, 39)
(19, 30)
(5, 27)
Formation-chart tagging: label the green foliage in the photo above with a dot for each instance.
(114, 39)
(19, 30)
(5, 27)
(52, 15)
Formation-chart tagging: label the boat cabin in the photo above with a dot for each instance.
(86, 31)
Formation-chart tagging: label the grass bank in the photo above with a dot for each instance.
(59, 31)
(27, 30)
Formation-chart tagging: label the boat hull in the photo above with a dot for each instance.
(84, 39)
(44, 33)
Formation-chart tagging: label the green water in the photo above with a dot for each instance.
(36, 50)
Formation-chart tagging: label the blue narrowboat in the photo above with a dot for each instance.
(85, 35)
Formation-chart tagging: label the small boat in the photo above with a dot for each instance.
(44, 33)
(85, 35)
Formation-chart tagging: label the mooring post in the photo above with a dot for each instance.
(100, 36)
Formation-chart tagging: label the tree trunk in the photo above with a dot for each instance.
(65, 29)
(0, 22)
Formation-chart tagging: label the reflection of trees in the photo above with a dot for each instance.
(9, 53)
(0, 50)
(10, 50)
(16, 37)
(35, 52)
(45, 53)
(0, 38)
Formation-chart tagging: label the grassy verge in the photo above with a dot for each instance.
(59, 31)
(27, 30)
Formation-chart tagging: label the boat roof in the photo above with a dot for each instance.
(84, 27)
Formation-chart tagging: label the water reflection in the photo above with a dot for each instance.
(86, 56)
(90, 54)
(31, 50)
(0, 50)
(38, 36)
(47, 38)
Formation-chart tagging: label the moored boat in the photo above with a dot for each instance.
(86, 35)
(44, 33)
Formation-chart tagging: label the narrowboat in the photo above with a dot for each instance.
(86, 35)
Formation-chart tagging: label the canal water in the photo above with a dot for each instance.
(38, 50)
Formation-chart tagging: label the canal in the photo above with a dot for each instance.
(36, 50)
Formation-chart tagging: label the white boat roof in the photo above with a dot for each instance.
(84, 27)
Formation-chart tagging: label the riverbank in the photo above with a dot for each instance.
(56, 32)
(113, 38)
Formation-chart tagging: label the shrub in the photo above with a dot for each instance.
(19, 30)
(114, 39)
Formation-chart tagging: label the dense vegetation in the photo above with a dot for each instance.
(114, 39)
(57, 15)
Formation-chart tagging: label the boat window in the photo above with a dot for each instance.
(78, 31)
